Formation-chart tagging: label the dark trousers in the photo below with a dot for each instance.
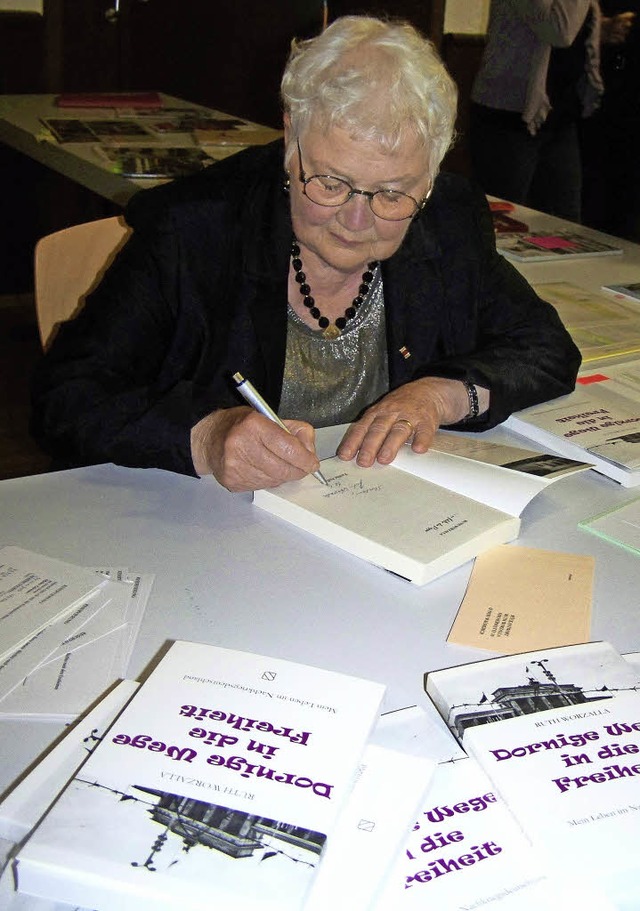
(542, 171)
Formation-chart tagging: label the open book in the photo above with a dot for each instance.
(598, 422)
(425, 514)
(557, 732)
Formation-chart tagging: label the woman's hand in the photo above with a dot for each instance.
(244, 450)
(412, 412)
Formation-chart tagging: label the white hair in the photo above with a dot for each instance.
(381, 80)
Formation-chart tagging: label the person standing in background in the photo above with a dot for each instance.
(611, 177)
(539, 75)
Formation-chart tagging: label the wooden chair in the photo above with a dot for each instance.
(68, 265)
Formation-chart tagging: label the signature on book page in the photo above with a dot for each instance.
(341, 485)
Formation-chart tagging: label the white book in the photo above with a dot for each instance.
(602, 327)
(464, 851)
(557, 732)
(598, 422)
(572, 780)
(425, 514)
(498, 688)
(221, 782)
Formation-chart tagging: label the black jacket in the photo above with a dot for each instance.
(200, 292)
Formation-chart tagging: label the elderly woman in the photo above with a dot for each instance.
(346, 279)
(538, 78)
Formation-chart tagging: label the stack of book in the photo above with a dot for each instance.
(240, 779)
(67, 632)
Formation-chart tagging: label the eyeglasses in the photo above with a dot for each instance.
(327, 190)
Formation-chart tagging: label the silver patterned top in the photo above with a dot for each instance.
(331, 381)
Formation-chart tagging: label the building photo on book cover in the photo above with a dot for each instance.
(528, 683)
(164, 832)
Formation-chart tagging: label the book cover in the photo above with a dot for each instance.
(552, 245)
(571, 778)
(523, 598)
(465, 850)
(181, 120)
(599, 421)
(503, 476)
(73, 130)
(495, 689)
(629, 291)
(220, 782)
(372, 829)
(243, 135)
(507, 224)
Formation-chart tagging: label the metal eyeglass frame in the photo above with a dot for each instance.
(353, 191)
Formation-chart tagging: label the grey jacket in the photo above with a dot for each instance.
(520, 36)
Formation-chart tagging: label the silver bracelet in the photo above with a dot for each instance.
(474, 404)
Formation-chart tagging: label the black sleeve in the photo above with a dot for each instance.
(517, 347)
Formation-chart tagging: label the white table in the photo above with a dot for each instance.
(228, 574)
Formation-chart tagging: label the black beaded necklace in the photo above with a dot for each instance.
(330, 330)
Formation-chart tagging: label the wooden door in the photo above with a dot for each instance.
(225, 53)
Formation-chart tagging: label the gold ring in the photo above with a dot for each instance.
(412, 429)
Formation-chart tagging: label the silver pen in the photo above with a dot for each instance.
(251, 395)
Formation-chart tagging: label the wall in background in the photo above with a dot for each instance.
(466, 16)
